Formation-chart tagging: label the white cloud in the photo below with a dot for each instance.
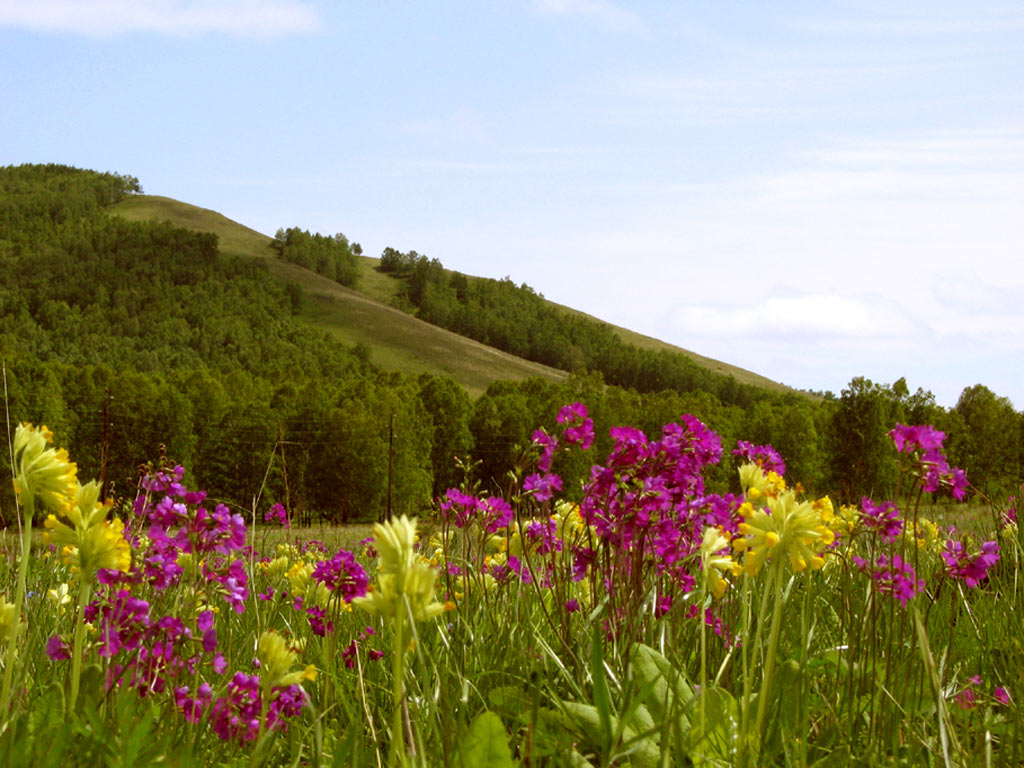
(808, 315)
(105, 18)
(461, 126)
(595, 10)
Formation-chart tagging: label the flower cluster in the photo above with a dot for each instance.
(342, 575)
(972, 567)
(764, 456)
(893, 576)
(184, 533)
(924, 443)
(463, 509)
(882, 518)
(277, 513)
(402, 576)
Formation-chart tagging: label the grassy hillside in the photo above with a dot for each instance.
(397, 340)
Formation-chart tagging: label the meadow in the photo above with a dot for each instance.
(644, 622)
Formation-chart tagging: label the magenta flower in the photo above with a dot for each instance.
(883, 518)
(764, 456)
(925, 444)
(542, 486)
(497, 513)
(581, 427)
(1001, 695)
(459, 507)
(893, 577)
(279, 514)
(548, 445)
(971, 567)
(57, 649)
(342, 574)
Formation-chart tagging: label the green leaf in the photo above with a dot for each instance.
(485, 744)
(721, 729)
(602, 698)
(666, 691)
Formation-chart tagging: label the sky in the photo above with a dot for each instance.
(810, 190)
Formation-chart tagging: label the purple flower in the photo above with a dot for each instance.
(497, 513)
(893, 577)
(925, 444)
(972, 568)
(459, 507)
(548, 445)
(581, 426)
(57, 649)
(342, 574)
(1001, 695)
(572, 605)
(764, 456)
(883, 518)
(543, 486)
(278, 513)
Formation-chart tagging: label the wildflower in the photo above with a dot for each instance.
(883, 518)
(758, 484)
(8, 620)
(795, 528)
(276, 662)
(46, 473)
(401, 574)
(343, 575)
(97, 542)
(582, 426)
(1001, 695)
(763, 456)
(542, 486)
(893, 577)
(279, 514)
(59, 597)
(924, 443)
(971, 567)
(57, 649)
(714, 563)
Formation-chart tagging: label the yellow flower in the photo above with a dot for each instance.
(59, 597)
(401, 574)
(90, 541)
(794, 528)
(7, 618)
(46, 473)
(714, 564)
(276, 661)
(759, 485)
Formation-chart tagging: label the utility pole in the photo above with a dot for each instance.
(106, 445)
(391, 460)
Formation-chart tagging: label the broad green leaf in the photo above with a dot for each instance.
(485, 744)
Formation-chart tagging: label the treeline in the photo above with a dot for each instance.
(516, 319)
(329, 255)
(134, 341)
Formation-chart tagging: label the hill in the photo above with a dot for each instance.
(368, 316)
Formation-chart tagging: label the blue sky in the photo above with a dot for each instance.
(813, 191)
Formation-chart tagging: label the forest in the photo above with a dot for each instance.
(139, 343)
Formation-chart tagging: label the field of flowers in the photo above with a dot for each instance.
(649, 624)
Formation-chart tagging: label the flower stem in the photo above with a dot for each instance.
(773, 645)
(396, 754)
(19, 601)
(84, 594)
